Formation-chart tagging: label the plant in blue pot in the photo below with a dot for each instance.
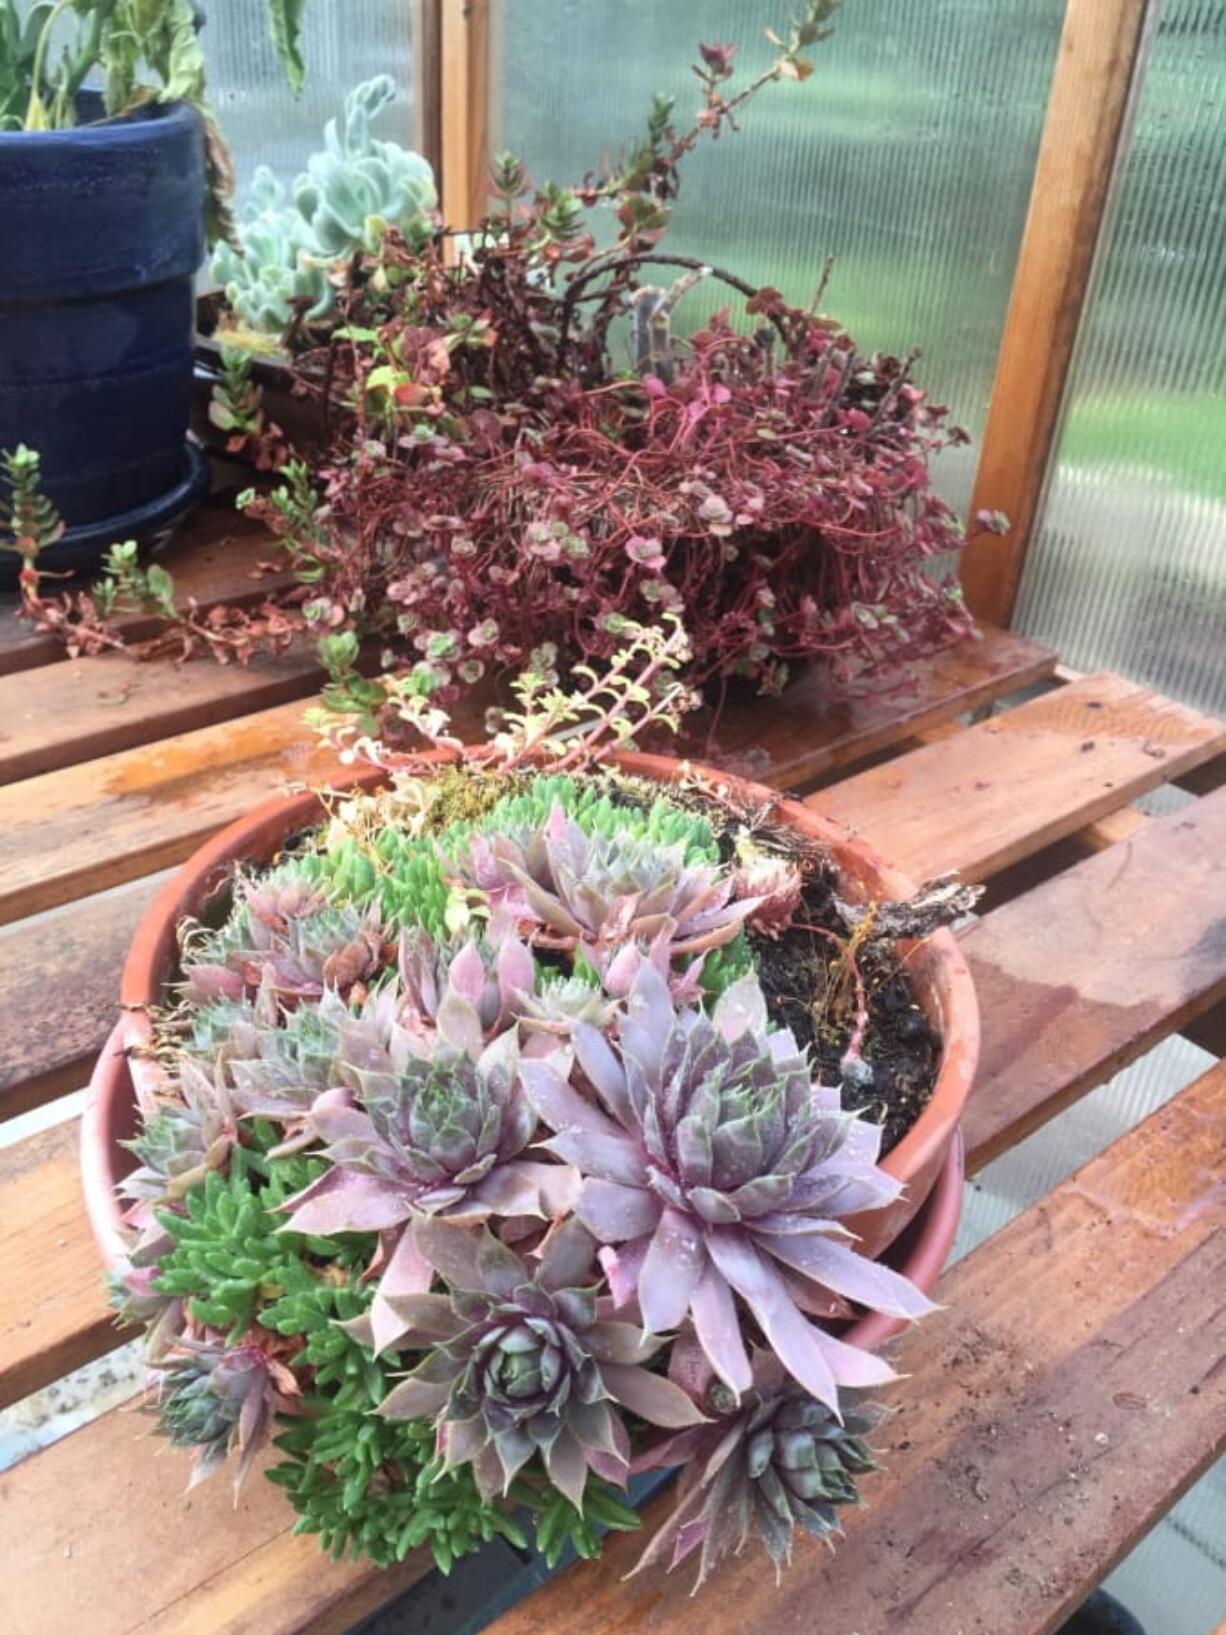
(112, 176)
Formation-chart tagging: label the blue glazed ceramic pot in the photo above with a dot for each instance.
(103, 229)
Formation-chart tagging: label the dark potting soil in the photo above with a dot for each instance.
(808, 977)
(810, 988)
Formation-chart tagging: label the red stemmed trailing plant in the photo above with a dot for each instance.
(523, 454)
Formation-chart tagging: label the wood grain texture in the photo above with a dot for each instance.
(53, 1312)
(1080, 976)
(1087, 112)
(791, 741)
(81, 709)
(75, 953)
(1052, 1413)
(98, 824)
(214, 559)
(1014, 783)
(99, 1535)
(464, 113)
(85, 827)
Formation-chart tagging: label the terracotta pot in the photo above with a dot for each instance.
(937, 968)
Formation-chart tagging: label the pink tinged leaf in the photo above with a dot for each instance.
(719, 1331)
(460, 1024)
(425, 1317)
(611, 1341)
(559, 1105)
(516, 970)
(408, 1272)
(567, 1467)
(853, 1367)
(342, 1201)
(688, 1364)
(650, 1396)
(622, 1267)
(608, 1157)
(451, 1250)
(601, 1068)
(615, 1213)
(463, 1440)
(669, 1451)
(466, 974)
(620, 971)
(560, 1186)
(741, 1008)
(413, 1399)
(566, 1256)
(675, 1263)
(511, 1189)
(545, 907)
(837, 1267)
(791, 1336)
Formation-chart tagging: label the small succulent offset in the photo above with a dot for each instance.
(775, 1462)
(497, 1205)
(352, 191)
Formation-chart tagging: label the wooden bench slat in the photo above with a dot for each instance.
(1080, 976)
(96, 824)
(804, 735)
(213, 559)
(74, 954)
(53, 1312)
(100, 1536)
(1047, 1421)
(81, 709)
(1011, 785)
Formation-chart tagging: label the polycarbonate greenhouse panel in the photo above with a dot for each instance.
(343, 42)
(1127, 568)
(908, 155)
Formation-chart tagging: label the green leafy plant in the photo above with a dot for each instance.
(145, 51)
(29, 522)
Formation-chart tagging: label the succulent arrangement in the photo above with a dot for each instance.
(284, 262)
(479, 1171)
(527, 451)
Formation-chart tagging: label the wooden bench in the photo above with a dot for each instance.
(1072, 1387)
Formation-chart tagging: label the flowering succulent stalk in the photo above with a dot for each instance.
(778, 1461)
(716, 1171)
(520, 1362)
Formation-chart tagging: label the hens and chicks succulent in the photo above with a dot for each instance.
(480, 1165)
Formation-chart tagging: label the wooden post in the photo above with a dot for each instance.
(1087, 116)
(464, 114)
(427, 81)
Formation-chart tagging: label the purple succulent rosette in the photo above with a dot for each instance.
(716, 1170)
(523, 1359)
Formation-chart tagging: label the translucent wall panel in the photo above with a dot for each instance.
(908, 155)
(1128, 567)
(344, 41)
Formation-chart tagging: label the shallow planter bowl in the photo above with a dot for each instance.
(937, 968)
